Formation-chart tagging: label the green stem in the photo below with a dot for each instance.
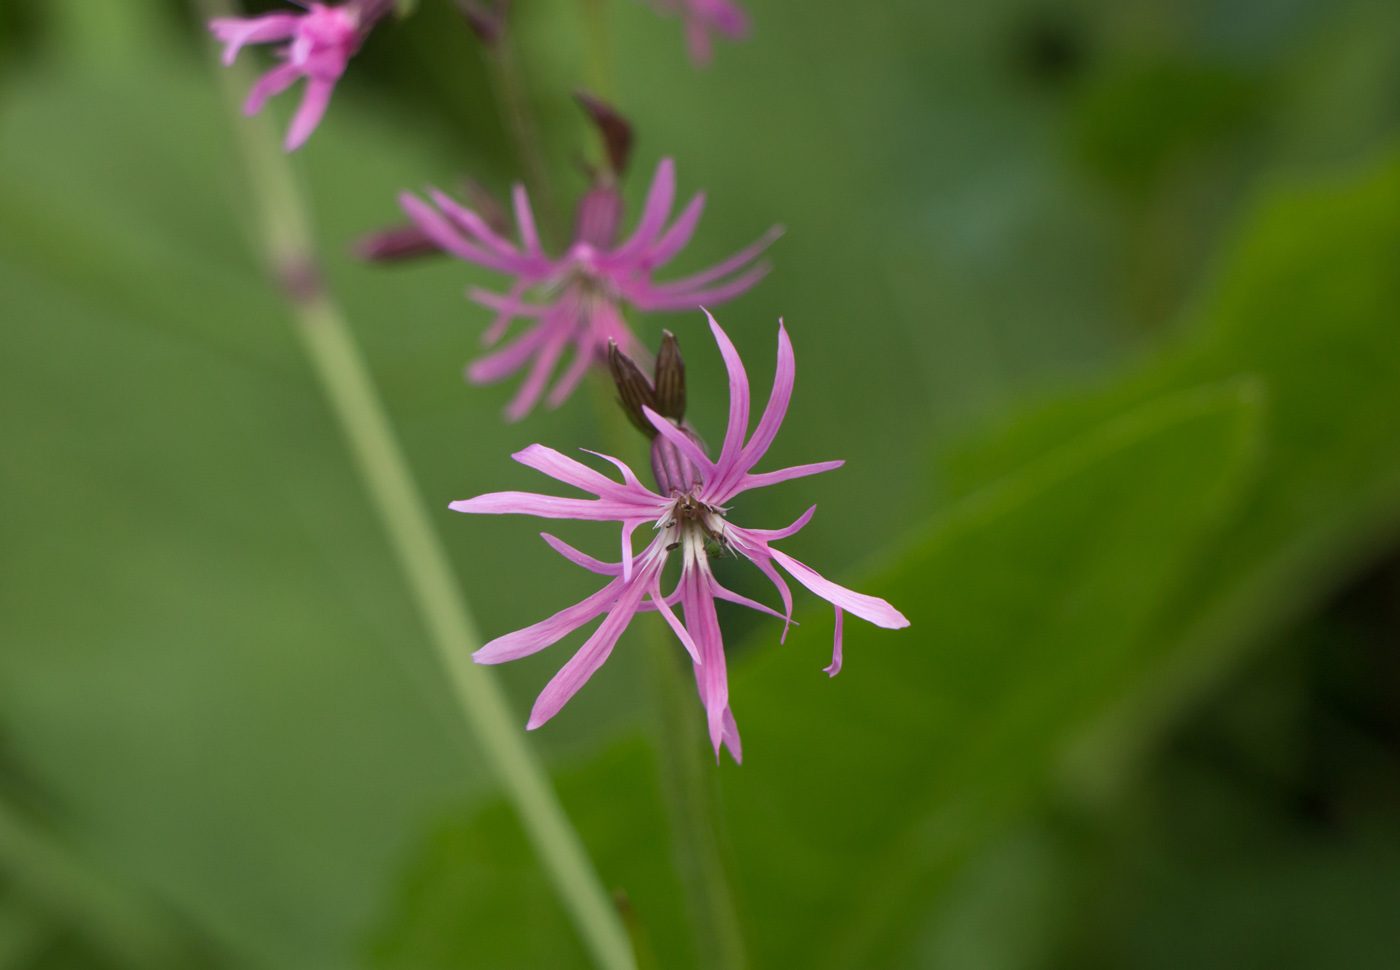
(600, 60)
(514, 103)
(349, 388)
(684, 753)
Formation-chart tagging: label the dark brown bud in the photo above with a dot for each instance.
(395, 245)
(670, 378)
(614, 129)
(633, 389)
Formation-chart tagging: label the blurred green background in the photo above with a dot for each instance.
(1100, 300)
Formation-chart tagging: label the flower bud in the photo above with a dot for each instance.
(675, 473)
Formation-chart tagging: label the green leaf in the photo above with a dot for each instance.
(1030, 605)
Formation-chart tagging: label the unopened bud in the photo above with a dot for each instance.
(675, 473)
(633, 389)
(395, 245)
(670, 378)
(615, 130)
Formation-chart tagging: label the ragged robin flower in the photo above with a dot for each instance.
(688, 515)
(319, 45)
(574, 302)
(703, 18)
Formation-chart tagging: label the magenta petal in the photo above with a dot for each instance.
(835, 667)
(678, 438)
(437, 228)
(546, 506)
(710, 677)
(870, 608)
(565, 469)
(731, 737)
(471, 223)
(313, 108)
(534, 638)
(271, 84)
(678, 236)
(723, 594)
(783, 379)
(663, 605)
(772, 535)
(540, 372)
(587, 660)
(761, 479)
(738, 401)
(236, 32)
(660, 197)
(582, 558)
(525, 219)
(731, 265)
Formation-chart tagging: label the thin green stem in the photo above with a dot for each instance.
(514, 102)
(684, 754)
(600, 59)
(290, 252)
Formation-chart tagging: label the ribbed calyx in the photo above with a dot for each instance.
(675, 473)
(598, 217)
(664, 394)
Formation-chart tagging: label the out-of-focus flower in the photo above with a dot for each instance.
(704, 17)
(688, 514)
(319, 45)
(580, 295)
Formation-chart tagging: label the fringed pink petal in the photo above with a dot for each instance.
(313, 108)
(710, 677)
(730, 596)
(663, 605)
(588, 659)
(271, 84)
(533, 386)
(628, 476)
(578, 368)
(471, 223)
(582, 558)
(237, 32)
(738, 401)
(565, 469)
(762, 479)
(728, 267)
(678, 236)
(664, 299)
(773, 535)
(545, 506)
(437, 228)
(678, 438)
(835, 667)
(660, 198)
(525, 220)
(869, 608)
(534, 638)
(731, 737)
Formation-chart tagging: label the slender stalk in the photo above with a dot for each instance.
(684, 754)
(600, 60)
(515, 106)
(350, 391)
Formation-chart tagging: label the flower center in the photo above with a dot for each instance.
(696, 526)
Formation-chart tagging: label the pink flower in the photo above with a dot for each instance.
(689, 514)
(582, 292)
(702, 17)
(321, 42)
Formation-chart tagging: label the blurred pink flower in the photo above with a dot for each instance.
(582, 291)
(703, 17)
(688, 514)
(320, 42)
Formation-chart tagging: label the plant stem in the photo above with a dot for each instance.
(350, 391)
(600, 73)
(687, 780)
(514, 103)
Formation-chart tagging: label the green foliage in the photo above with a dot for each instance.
(215, 685)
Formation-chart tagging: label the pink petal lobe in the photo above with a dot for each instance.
(762, 479)
(738, 400)
(581, 558)
(271, 84)
(835, 667)
(313, 108)
(565, 469)
(534, 638)
(588, 659)
(546, 506)
(660, 197)
(870, 608)
(678, 236)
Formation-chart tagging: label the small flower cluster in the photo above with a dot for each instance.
(574, 304)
